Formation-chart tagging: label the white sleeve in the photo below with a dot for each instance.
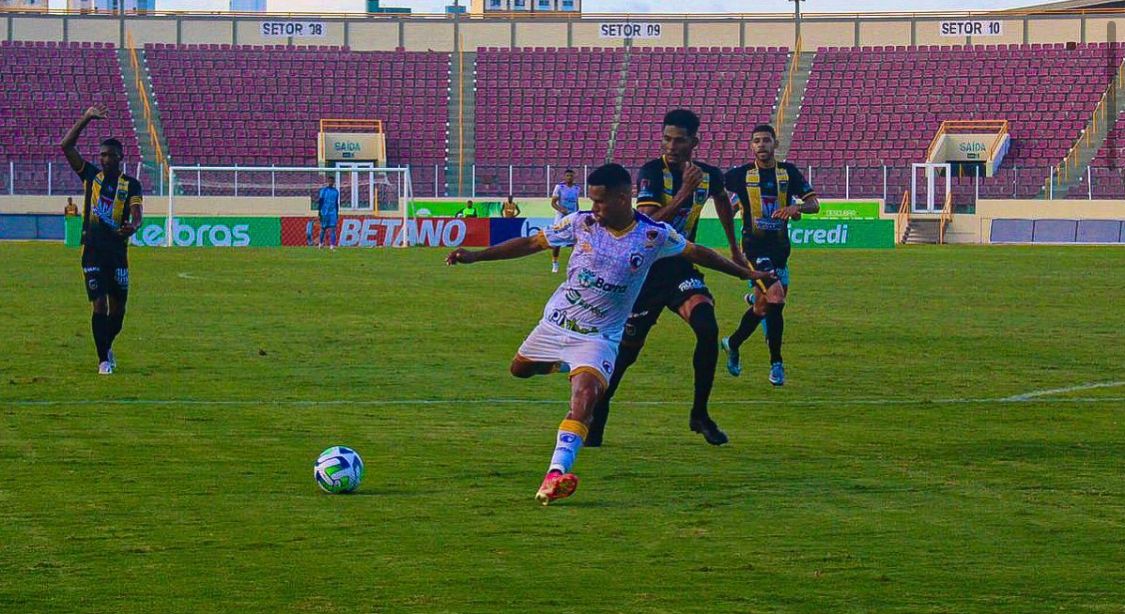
(674, 243)
(558, 191)
(562, 233)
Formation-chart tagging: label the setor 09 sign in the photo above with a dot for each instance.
(629, 30)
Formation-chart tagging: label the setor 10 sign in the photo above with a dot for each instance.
(972, 28)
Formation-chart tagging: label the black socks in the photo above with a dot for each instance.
(775, 326)
(706, 355)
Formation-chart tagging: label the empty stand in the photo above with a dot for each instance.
(731, 89)
(874, 106)
(46, 88)
(542, 106)
(261, 106)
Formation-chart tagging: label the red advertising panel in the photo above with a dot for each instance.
(388, 232)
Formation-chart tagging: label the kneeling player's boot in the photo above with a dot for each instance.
(777, 374)
(112, 360)
(104, 368)
(556, 485)
(706, 426)
(734, 363)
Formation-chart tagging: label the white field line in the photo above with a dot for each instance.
(1053, 391)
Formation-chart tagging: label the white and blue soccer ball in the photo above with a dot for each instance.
(338, 470)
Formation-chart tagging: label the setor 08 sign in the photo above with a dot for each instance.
(629, 30)
(296, 29)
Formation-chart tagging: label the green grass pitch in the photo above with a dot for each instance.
(950, 440)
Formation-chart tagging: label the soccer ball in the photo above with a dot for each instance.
(338, 470)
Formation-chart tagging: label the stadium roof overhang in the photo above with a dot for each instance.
(1074, 5)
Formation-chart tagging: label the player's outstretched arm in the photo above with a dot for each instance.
(70, 141)
(726, 218)
(707, 257)
(512, 248)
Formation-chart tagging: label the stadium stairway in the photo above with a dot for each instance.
(462, 123)
(152, 175)
(796, 96)
(1089, 148)
(922, 231)
(618, 103)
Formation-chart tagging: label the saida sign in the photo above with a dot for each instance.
(353, 146)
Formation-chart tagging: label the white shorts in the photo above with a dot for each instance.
(549, 343)
(560, 216)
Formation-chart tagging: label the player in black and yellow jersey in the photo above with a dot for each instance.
(765, 190)
(110, 215)
(673, 189)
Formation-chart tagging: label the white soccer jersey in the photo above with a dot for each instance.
(606, 271)
(568, 196)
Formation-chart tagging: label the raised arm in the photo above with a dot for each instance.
(726, 217)
(70, 141)
(707, 257)
(508, 250)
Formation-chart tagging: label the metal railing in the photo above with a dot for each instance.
(946, 218)
(161, 162)
(787, 92)
(1100, 119)
(854, 182)
(902, 218)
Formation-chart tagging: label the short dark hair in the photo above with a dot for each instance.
(682, 118)
(116, 144)
(612, 176)
(764, 128)
(569, 170)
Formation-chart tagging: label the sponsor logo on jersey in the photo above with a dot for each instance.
(589, 279)
(693, 283)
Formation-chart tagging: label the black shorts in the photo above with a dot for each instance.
(767, 257)
(670, 283)
(105, 273)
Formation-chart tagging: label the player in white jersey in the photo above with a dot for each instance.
(614, 247)
(564, 200)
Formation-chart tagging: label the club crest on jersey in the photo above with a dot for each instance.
(701, 195)
(585, 247)
(636, 259)
(650, 238)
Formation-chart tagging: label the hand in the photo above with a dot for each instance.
(97, 111)
(739, 258)
(792, 212)
(127, 230)
(693, 176)
(460, 255)
(769, 276)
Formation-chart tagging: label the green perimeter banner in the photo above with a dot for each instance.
(450, 208)
(847, 210)
(197, 232)
(814, 234)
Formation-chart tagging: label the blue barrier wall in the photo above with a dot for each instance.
(1057, 231)
(31, 227)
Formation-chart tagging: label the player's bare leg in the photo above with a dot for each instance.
(524, 367)
(699, 312)
(555, 259)
(586, 387)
